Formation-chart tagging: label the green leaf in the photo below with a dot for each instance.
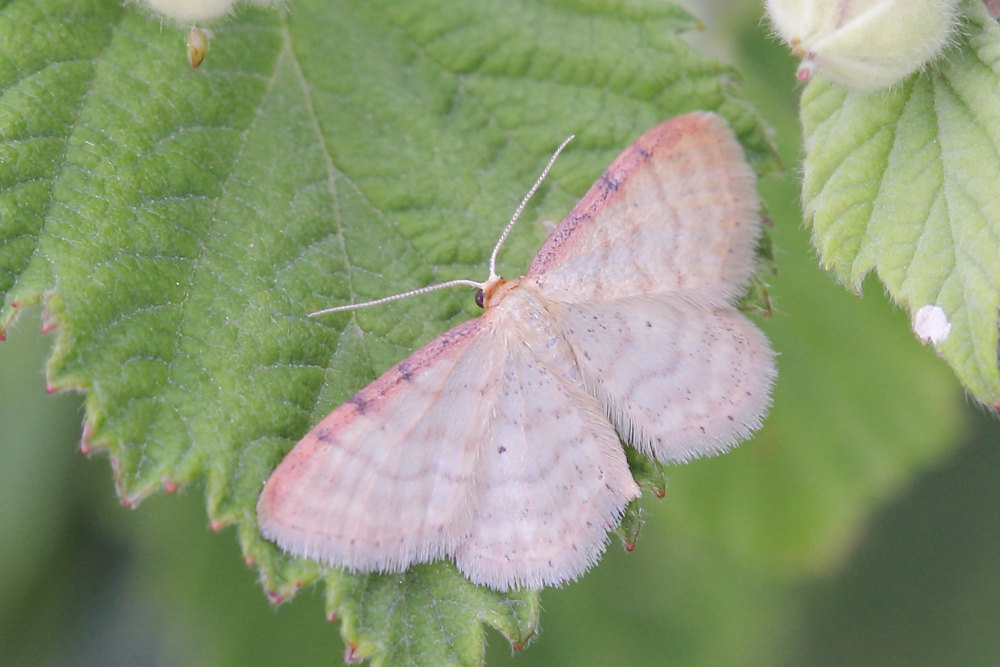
(179, 225)
(421, 616)
(905, 182)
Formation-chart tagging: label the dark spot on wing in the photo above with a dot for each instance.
(405, 372)
(360, 404)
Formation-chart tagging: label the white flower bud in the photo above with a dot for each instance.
(190, 12)
(193, 12)
(863, 44)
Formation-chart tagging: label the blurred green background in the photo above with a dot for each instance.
(85, 582)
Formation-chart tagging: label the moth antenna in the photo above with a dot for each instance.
(520, 209)
(493, 257)
(397, 297)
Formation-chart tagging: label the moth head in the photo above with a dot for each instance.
(492, 292)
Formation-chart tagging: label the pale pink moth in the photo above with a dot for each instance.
(496, 445)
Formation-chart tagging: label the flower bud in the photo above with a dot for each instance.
(863, 44)
(193, 12)
(190, 12)
(197, 45)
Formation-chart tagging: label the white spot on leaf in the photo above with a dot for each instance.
(931, 325)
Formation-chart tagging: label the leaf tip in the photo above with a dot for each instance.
(169, 485)
(49, 322)
(352, 655)
(86, 444)
(519, 645)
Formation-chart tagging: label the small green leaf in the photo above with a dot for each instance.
(905, 182)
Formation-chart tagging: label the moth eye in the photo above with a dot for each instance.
(480, 298)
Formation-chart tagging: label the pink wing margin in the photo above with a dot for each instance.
(677, 210)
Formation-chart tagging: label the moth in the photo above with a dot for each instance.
(498, 445)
